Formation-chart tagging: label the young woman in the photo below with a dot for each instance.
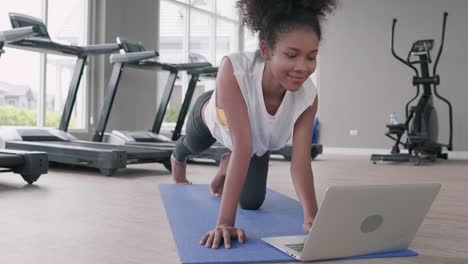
(261, 100)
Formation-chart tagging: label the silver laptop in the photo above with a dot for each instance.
(358, 220)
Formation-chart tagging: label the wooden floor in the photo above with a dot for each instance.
(78, 216)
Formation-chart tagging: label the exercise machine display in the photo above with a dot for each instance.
(421, 124)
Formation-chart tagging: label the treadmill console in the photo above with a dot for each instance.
(20, 20)
(130, 46)
(196, 57)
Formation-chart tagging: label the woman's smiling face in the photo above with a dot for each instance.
(294, 57)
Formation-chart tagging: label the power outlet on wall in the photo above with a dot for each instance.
(353, 132)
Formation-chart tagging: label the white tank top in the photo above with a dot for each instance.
(269, 132)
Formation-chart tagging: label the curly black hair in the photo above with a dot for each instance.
(271, 17)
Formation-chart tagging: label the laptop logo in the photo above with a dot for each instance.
(371, 223)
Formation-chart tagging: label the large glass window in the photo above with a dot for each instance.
(19, 72)
(226, 39)
(201, 35)
(206, 27)
(172, 30)
(227, 9)
(173, 21)
(21, 92)
(207, 5)
(250, 40)
(66, 24)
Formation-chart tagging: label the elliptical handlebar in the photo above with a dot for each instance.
(434, 70)
(396, 55)
(442, 40)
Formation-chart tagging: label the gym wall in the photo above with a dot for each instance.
(361, 83)
(135, 103)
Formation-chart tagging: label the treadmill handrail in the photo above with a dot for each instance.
(43, 45)
(133, 56)
(157, 65)
(188, 66)
(16, 34)
(204, 71)
(98, 49)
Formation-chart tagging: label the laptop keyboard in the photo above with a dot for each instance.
(296, 247)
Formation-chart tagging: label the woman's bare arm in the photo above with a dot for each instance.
(230, 99)
(301, 169)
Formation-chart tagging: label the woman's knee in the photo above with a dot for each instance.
(254, 190)
(181, 151)
(252, 202)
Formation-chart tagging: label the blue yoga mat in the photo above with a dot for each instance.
(192, 211)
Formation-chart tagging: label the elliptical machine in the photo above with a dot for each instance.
(421, 125)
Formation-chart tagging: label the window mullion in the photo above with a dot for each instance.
(186, 46)
(213, 38)
(214, 23)
(87, 91)
(42, 106)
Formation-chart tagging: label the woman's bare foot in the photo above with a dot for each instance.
(179, 171)
(217, 184)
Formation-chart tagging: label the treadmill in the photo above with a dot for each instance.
(30, 165)
(134, 55)
(61, 146)
(215, 152)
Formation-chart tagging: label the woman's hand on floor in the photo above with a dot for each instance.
(213, 238)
